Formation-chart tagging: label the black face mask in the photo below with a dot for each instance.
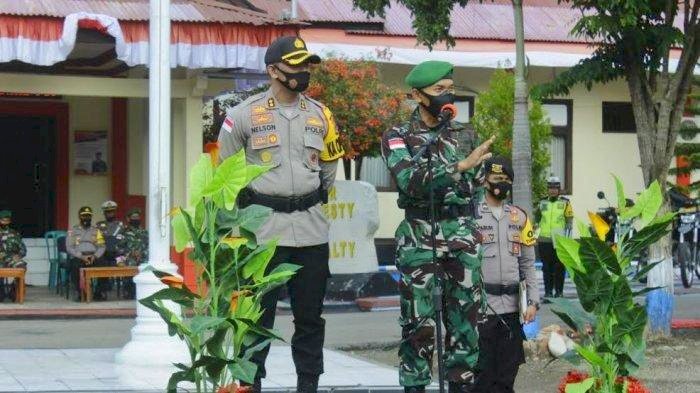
(135, 223)
(86, 222)
(302, 79)
(437, 102)
(500, 190)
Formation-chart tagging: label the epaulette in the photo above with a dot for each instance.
(311, 100)
(521, 210)
(563, 198)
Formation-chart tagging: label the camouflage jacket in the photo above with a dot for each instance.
(113, 232)
(136, 245)
(11, 244)
(399, 145)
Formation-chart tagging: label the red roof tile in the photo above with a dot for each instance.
(138, 10)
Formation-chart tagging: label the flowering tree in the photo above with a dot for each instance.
(363, 107)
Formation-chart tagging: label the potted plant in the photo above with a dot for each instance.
(608, 321)
(220, 319)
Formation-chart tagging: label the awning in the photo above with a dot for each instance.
(46, 41)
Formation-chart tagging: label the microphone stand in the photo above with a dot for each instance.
(424, 151)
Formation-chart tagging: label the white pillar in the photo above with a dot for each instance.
(151, 352)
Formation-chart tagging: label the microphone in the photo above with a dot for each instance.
(447, 113)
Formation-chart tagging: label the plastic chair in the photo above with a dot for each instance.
(52, 251)
(63, 274)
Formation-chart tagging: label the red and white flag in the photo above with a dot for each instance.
(228, 124)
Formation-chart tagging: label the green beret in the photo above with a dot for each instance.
(5, 214)
(132, 211)
(428, 73)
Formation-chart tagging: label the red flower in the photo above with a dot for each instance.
(571, 377)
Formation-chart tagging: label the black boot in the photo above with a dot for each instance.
(460, 387)
(414, 389)
(256, 387)
(307, 383)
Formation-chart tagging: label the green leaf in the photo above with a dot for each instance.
(644, 291)
(568, 253)
(180, 376)
(257, 329)
(580, 387)
(200, 323)
(257, 264)
(595, 250)
(572, 314)
(229, 179)
(644, 238)
(215, 343)
(234, 242)
(646, 206)
(621, 200)
(180, 232)
(621, 296)
(244, 370)
(631, 322)
(594, 288)
(592, 357)
(201, 175)
(181, 296)
(253, 171)
(250, 218)
(259, 346)
(583, 228)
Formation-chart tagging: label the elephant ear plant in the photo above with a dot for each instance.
(609, 320)
(220, 317)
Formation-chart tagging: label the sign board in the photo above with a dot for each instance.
(353, 213)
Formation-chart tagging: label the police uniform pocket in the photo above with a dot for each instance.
(514, 243)
(313, 145)
(265, 149)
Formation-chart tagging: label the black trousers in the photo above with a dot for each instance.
(552, 269)
(500, 354)
(307, 289)
(75, 264)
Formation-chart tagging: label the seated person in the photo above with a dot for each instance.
(12, 252)
(85, 245)
(136, 246)
(12, 248)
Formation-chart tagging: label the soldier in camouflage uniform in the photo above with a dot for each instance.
(135, 245)
(456, 161)
(113, 231)
(12, 248)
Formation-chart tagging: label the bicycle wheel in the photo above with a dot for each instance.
(685, 260)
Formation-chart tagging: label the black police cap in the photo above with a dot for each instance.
(499, 165)
(290, 50)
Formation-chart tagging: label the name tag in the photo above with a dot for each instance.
(264, 140)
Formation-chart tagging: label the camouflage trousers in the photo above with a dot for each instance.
(462, 302)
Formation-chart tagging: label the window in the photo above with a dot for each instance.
(373, 169)
(559, 113)
(618, 117)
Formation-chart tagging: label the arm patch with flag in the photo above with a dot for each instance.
(333, 149)
(227, 124)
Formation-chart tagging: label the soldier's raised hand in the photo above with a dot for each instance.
(477, 156)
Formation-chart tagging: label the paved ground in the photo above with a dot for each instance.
(93, 370)
(344, 329)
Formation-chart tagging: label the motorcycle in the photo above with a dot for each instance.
(685, 236)
(620, 228)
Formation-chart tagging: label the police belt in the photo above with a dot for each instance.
(442, 212)
(502, 289)
(280, 204)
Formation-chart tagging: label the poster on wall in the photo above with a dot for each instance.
(90, 153)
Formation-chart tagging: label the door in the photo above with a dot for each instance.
(27, 168)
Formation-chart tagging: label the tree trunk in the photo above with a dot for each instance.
(522, 150)
(358, 167)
